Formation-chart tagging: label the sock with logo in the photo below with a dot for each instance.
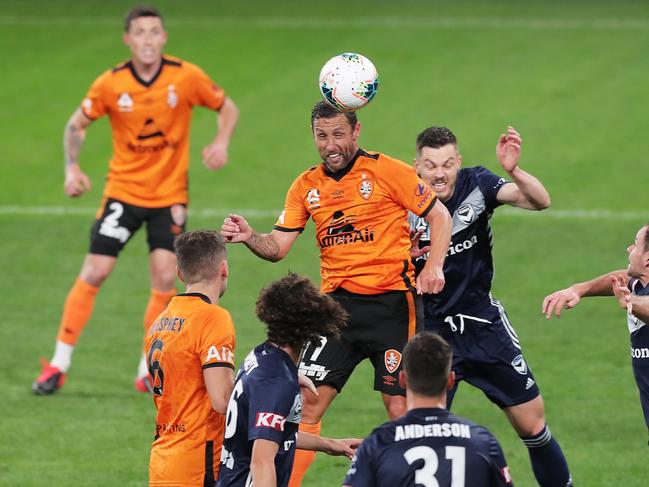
(303, 458)
(76, 312)
(548, 463)
(158, 301)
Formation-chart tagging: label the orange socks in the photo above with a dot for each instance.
(303, 458)
(76, 311)
(157, 304)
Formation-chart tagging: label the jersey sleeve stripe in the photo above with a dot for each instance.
(218, 364)
(428, 208)
(284, 229)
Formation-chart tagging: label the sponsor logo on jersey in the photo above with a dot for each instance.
(313, 198)
(341, 231)
(392, 359)
(125, 103)
(288, 444)
(365, 188)
(530, 382)
(172, 97)
(389, 380)
(270, 420)
(421, 189)
(426, 198)
(454, 248)
(639, 352)
(222, 355)
(152, 133)
(466, 213)
(519, 365)
(337, 194)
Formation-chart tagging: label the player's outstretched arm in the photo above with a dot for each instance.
(215, 155)
(569, 297)
(219, 382)
(262, 463)
(431, 277)
(525, 191)
(76, 181)
(269, 246)
(330, 446)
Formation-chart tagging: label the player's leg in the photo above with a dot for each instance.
(329, 364)
(163, 225)
(496, 366)
(114, 226)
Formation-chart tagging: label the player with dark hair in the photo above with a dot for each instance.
(429, 445)
(261, 432)
(486, 350)
(359, 202)
(149, 101)
(190, 355)
(631, 288)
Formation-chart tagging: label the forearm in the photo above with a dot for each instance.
(306, 441)
(599, 286)
(441, 225)
(531, 189)
(73, 137)
(227, 122)
(263, 473)
(640, 307)
(264, 246)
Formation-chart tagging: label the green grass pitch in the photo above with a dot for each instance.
(570, 76)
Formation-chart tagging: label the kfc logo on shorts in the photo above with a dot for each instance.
(392, 360)
(270, 420)
(365, 188)
(179, 214)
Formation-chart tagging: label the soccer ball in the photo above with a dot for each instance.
(348, 81)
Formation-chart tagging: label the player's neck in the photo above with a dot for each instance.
(415, 401)
(146, 71)
(295, 356)
(211, 290)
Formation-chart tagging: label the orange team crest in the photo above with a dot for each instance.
(392, 360)
(365, 188)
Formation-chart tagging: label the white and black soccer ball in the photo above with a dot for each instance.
(348, 81)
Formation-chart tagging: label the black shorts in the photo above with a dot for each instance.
(118, 222)
(487, 354)
(379, 327)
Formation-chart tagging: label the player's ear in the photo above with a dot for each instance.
(451, 381)
(403, 380)
(224, 269)
(125, 38)
(357, 132)
(180, 274)
(459, 160)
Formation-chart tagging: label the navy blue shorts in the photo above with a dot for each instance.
(640, 363)
(487, 354)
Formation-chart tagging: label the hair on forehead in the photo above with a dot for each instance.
(324, 110)
(141, 11)
(435, 137)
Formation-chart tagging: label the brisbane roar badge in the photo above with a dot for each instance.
(365, 188)
(392, 360)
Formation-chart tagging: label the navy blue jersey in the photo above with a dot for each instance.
(640, 349)
(429, 447)
(468, 268)
(265, 404)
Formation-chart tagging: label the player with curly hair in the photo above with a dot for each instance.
(261, 432)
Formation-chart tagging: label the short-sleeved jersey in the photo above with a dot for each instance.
(429, 446)
(468, 268)
(265, 404)
(150, 123)
(360, 217)
(188, 337)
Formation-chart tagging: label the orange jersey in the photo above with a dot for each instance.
(361, 222)
(188, 337)
(150, 123)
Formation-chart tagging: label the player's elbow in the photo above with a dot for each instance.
(219, 404)
(543, 203)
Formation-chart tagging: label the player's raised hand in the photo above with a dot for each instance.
(622, 293)
(215, 156)
(508, 149)
(235, 229)
(76, 181)
(415, 251)
(431, 279)
(558, 300)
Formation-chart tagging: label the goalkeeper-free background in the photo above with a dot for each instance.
(571, 77)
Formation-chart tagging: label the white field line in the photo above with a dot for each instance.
(387, 21)
(566, 214)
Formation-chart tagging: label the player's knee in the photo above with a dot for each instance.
(95, 275)
(164, 281)
(396, 407)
